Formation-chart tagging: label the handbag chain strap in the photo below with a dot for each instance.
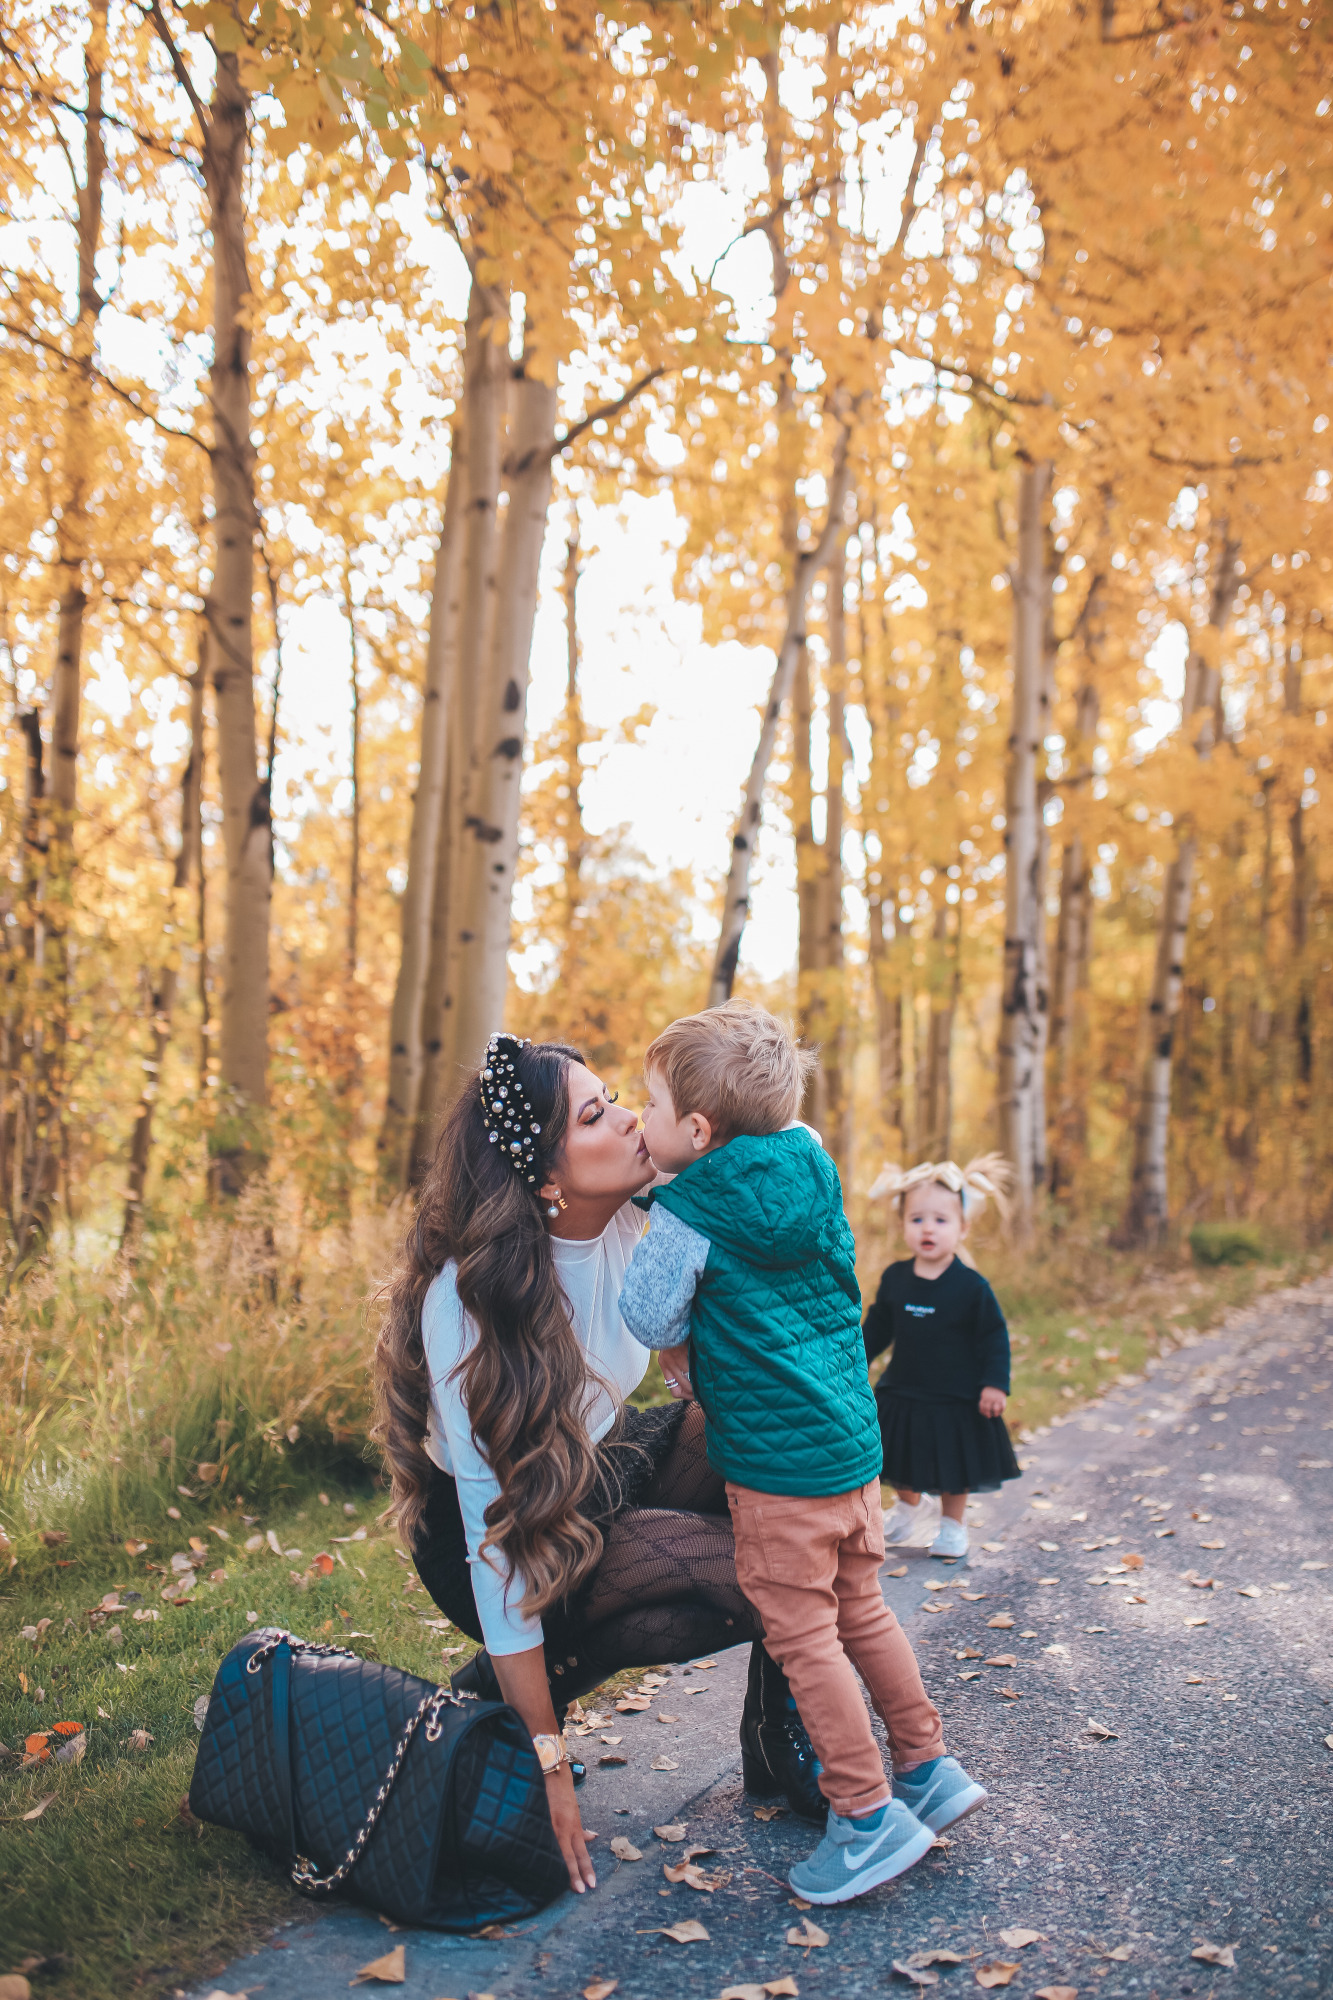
(428, 1710)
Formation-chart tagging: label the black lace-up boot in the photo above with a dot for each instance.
(777, 1757)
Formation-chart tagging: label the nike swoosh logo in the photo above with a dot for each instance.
(852, 1862)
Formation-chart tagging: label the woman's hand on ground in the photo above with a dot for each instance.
(993, 1402)
(568, 1826)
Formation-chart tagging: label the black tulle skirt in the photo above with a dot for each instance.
(943, 1446)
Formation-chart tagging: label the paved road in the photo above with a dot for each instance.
(1165, 1563)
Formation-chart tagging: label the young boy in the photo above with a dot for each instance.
(745, 1283)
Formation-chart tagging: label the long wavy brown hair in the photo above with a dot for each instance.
(526, 1379)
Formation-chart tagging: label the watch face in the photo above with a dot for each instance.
(548, 1751)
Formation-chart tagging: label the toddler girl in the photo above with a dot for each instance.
(941, 1399)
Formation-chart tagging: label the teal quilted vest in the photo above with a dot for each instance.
(777, 1354)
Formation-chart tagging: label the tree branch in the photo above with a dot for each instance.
(602, 414)
(126, 395)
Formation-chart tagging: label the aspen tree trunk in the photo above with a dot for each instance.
(823, 1014)
(574, 843)
(881, 891)
(736, 899)
(352, 948)
(239, 1140)
(51, 992)
(484, 388)
(23, 1024)
(1023, 997)
(935, 1135)
(1073, 962)
(189, 857)
(428, 849)
(489, 834)
(1146, 1214)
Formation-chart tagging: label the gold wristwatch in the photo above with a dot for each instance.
(552, 1752)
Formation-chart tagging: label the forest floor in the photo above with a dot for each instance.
(1196, 1822)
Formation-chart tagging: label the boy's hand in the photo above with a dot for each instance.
(675, 1363)
(993, 1402)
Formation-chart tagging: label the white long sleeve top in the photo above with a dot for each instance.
(591, 1273)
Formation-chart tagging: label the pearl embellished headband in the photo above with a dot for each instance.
(505, 1110)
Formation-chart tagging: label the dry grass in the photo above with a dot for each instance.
(232, 1359)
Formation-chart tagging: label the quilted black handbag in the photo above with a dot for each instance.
(426, 1805)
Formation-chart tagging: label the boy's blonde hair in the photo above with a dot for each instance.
(737, 1064)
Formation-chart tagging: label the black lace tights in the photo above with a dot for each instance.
(666, 1586)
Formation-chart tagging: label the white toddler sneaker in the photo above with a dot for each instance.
(951, 1540)
(903, 1523)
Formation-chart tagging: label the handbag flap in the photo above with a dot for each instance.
(347, 1716)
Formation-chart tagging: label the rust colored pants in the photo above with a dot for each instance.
(810, 1567)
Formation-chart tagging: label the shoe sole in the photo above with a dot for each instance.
(952, 1810)
(872, 1877)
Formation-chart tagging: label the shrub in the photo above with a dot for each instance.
(1226, 1243)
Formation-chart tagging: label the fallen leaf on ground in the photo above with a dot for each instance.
(1250, 1590)
(41, 1806)
(663, 1717)
(1048, 1580)
(600, 1989)
(1100, 1731)
(1018, 1938)
(1132, 1562)
(276, 1547)
(1001, 1622)
(998, 1972)
(625, 1850)
(664, 1764)
(1118, 1952)
(1194, 1680)
(322, 1564)
(53, 1537)
(768, 1812)
(968, 1653)
(139, 1739)
(391, 1969)
(900, 1571)
(1060, 1652)
(992, 1548)
(973, 1596)
(612, 1739)
(1056, 1993)
(1010, 1694)
(933, 1583)
(695, 1878)
(809, 1935)
(920, 1958)
(676, 1830)
(782, 1989)
(688, 1931)
(633, 1704)
(703, 1665)
(970, 1674)
(612, 1757)
(1049, 1548)
(1329, 1741)
(1212, 1545)
(916, 1974)
(1216, 1954)
(1199, 1621)
(1002, 1660)
(200, 1712)
(253, 1544)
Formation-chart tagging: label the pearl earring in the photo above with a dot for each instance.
(552, 1210)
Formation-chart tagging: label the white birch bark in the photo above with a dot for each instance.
(1147, 1212)
(488, 837)
(424, 845)
(485, 387)
(736, 900)
(1023, 998)
(238, 1138)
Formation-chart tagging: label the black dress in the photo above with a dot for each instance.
(949, 1342)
